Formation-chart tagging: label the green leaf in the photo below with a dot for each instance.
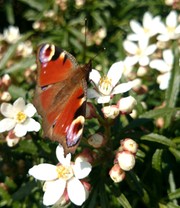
(123, 201)
(24, 190)
(21, 65)
(175, 152)
(11, 51)
(156, 113)
(174, 195)
(16, 91)
(158, 139)
(27, 146)
(174, 86)
(156, 160)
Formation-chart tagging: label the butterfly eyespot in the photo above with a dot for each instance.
(74, 131)
(46, 53)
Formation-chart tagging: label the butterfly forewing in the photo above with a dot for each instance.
(61, 95)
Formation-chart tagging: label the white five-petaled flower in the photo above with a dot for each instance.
(148, 28)
(18, 117)
(139, 52)
(164, 66)
(62, 177)
(11, 34)
(106, 86)
(170, 30)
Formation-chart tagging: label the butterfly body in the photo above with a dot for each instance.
(60, 96)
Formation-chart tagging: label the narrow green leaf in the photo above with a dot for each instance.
(174, 195)
(9, 53)
(158, 139)
(171, 205)
(156, 113)
(156, 160)
(123, 201)
(21, 65)
(175, 152)
(174, 86)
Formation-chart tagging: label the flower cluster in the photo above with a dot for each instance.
(158, 55)
(124, 160)
(18, 118)
(64, 181)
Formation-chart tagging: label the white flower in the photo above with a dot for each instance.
(25, 49)
(164, 66)
(148, 28)
(106, 87)
(61, 177)
(18, 117)
(11, 35)
(170, 30)
(139, 52)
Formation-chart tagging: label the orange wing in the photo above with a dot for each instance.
(60, 95)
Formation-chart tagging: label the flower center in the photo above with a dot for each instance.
(64, 172)
(20, 117)
(105, 85)
(171, 29)
(139, 52)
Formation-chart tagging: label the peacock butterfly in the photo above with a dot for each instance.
(60, 95)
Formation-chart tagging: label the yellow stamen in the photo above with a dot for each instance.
(64, 172)
(105, 85)
(20, 117)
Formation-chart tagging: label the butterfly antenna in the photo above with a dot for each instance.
(85, 38)
(99, 52)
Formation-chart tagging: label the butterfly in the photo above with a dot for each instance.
(60, 95)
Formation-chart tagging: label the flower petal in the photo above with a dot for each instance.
(130, 47)
(92, 93)
(171, 19)
(144, 61)
(147, 20)
(150, 49)
(103, 99)
(44, 172)
(94, 76)
(54, 191)
(7, 124)
(7, 110)
(81, 169)
(29, 110)
(20, 130)
(136, 27)
(19, 104)
(31, 125)
(121, 88)
(76, 191)
(160, 65)
(60, 156)
(115, 72)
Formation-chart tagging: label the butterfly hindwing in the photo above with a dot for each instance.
(61, 95)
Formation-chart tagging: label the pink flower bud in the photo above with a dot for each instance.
(86, 155)
(12, 139)
(126, 105)
(96, 140)
(126, 160)
(6, 80)
(110, 111)
(116, 173)
(129, 145)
